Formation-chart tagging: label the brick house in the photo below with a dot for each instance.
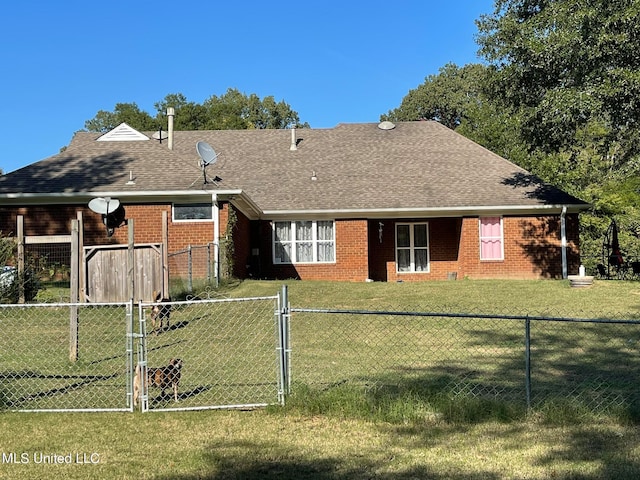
(412, 201)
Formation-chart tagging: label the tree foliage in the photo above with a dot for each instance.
(574, 69)
(559, 95)
(571, 71)
(448, 97)
(129, 113)
(231, 111)
(458, 98)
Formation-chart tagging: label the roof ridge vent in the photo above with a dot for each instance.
(386, 125)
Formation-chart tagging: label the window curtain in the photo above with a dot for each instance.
(283, 242)
(304, 241)
(325, 241)
(490, 238)
(420, 247)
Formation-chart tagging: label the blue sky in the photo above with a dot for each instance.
(332, 62)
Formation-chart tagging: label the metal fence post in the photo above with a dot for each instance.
(130, 367)
(287, 338)
(73, 311)
(208, 263)
(283, 349)
(216, 260)
(141, 366)
(527, 359)
(189, 270)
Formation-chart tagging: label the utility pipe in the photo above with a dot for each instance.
(563, 240)
(216, 238)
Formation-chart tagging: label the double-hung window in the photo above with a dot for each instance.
(412, 247)
(304, 241)
(491, 238)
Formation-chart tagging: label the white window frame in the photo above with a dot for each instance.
(500, 238)
(293, 242)
(412, 248)
(187, 204)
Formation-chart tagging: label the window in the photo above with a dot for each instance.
(412, 247)
(307, 241)
(192, 211)
(491, 238)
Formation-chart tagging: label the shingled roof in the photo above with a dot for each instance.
(356, 168)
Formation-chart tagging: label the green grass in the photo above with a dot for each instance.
(404, 429)
(543, 297)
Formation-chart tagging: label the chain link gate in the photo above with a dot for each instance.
(66, 357)
(217, 353)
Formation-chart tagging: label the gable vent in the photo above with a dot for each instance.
(122, 133)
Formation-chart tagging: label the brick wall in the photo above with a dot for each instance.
(444, 244)
(56, 220)
(50, 220)
(531, 249)
(351, 256)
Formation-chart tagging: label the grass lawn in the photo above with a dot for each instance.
(343, 434)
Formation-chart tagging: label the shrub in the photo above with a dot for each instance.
(10, 282)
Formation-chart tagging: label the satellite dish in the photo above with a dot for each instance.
(160, 135)
(112, 212)
(207, 154)
(104, 206)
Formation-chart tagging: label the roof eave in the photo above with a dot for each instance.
(425, 212)
(236, 196)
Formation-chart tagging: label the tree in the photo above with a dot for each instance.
(447, 97)
(188, 115)
(232, 110)
(123, 112)
(572, 67)
(235, 110)
(457, 97)
(571, 71)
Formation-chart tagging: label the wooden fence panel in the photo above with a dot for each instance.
(108, 272)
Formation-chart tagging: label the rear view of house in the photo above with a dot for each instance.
(383, 202)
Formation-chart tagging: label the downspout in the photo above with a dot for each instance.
(563, 240)
(216, 239)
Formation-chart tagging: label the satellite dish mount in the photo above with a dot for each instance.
(112, 212)
(208, 156)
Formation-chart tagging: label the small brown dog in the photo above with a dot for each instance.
(160, 313)
(163, 378)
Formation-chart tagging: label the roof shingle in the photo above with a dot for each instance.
(416, 165)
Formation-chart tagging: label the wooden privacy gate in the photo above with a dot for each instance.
(110, 272)
(118, 273)
(105, 273)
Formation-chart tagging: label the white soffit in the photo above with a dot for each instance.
(122, 133)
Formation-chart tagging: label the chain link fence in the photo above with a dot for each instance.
(50, 263)
(65, 357)
(228, 350)
(528, 361)
(196, 263)
(246, 352)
